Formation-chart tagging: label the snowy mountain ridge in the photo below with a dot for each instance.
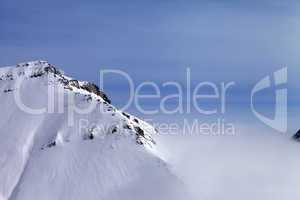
(42, 69)
(35, 69)
(103, 154)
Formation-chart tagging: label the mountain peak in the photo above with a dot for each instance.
(28, 69)
(63, 140)
(33, 63)
(40, 68)
(40, 74)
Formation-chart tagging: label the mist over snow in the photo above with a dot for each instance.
(256, 163)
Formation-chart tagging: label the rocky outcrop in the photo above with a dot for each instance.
(91, 87)
(74, 83)
(297, 136)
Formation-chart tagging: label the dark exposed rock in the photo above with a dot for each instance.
(37, 74)
(139, 131)
(297, 136)
(52, 144)
(68, 88)
(126, 126)
(139, 142)
(91, 136)
(114, 130)
(74, 83)
(126, 115)
(9, 76)
(51, 69)
(46, 68)
(64, 81)
(7, 90)
(136, 120)
(140, 137)
(89, 98)
(90, 87)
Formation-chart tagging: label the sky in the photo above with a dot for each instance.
(156, 40)
(220, 41)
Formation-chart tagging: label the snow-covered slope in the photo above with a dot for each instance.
(62, 139)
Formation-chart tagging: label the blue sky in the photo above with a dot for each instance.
(229, 40)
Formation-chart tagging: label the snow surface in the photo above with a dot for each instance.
(257, 163)
(43, 157)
